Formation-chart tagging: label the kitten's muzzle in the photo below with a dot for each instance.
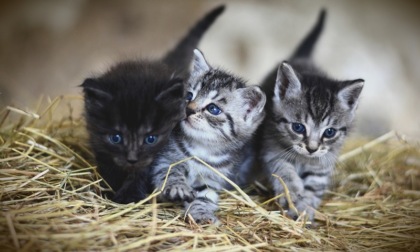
(190, 112)
(132, 157)
(310, 150)
(132, 161)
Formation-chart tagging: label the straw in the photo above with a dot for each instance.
(50, 198)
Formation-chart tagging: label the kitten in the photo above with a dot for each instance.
(131, 110)
(308, 117)
(222, 116)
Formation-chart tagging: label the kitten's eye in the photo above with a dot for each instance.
(189, 96)
(150, 139)
(213, 109)
(330, 133)
(115, 138)
(298, 128)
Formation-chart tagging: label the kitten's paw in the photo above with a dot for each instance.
(130, 192)
(301, 207)
(304, 207)
(284, 202)
(179, 192)
(205, 218)
(202, 214)
(299, 204)
(126, 199)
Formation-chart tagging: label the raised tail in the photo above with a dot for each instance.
(181, 56)
(305, 48)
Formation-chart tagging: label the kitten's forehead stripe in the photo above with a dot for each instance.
(329, 120)
(319, 103)
(213, 94)
(217, 79)
(196, 85)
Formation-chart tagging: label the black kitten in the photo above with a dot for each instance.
(131, 110)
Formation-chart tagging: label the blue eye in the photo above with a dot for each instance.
(298, 128)
(115, 138)
(330, 133)
(150, 139)
(213, 109)
(189, 96)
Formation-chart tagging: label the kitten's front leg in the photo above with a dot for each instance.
(176, 187)
(202, 208)
(315, 182)
(288, 174)
(134, 189)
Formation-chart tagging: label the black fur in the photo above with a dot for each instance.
(136, 99)
(182, 54)
(306, 47)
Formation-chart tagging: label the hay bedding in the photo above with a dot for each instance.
(50, 199)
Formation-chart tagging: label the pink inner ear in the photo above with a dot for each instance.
(253, 103)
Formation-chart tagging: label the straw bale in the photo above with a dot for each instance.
(50, 199)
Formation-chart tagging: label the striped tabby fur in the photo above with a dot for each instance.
(222, 116)
(308, 118)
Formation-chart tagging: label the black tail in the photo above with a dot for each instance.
(181, 56)
(305, 48)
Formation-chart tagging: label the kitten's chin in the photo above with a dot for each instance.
(306, 155)
(196, 134)
(138, 166)
(185, 124)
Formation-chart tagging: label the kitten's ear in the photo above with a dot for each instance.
(93, 91)
(349, 94)
(200, 64)
(255, 100)
(174, 92)
(287, 83)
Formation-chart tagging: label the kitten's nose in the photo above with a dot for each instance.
(310, 150)
(132, 157)
(190, 112)
(132, 161)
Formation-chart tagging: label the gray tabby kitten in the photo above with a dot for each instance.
(222, 116)
(308, 117)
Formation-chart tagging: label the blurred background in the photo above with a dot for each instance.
(48, 47)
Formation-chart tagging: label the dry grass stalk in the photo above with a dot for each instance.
(50, 199)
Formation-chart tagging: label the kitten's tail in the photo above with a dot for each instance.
(181, 56)
(305, 48)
